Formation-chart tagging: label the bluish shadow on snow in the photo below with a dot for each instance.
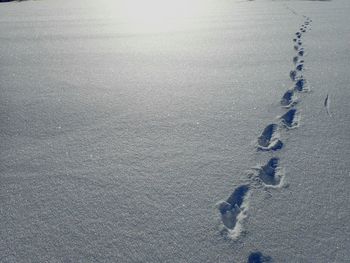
(258, 257)
(289, 118)
(288, 99)
(300, 67)
(299, 85)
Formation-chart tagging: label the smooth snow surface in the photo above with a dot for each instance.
(122, 129)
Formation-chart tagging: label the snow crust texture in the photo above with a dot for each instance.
(222, 136)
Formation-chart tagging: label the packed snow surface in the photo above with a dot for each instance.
(174, 131)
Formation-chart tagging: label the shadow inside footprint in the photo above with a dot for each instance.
(300, 67)
(258, 257)
(267, 173)
(266, 140)
(288, 119)
(301, 53)
(293, 75)
(295, 60)
(230, 209)
(288, 99)
(299, 85)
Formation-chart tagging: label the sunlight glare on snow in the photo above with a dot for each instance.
(159, 15)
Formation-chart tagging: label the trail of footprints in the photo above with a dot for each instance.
(234, 209)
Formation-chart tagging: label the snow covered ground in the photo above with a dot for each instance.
(122, 137)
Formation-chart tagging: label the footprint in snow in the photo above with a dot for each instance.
(289, 119)
(295, 59)
(293, 75)
(300, 67)
(258, 257)
(300, 84)
(288, 100)
(233, 207)
(268, 140)
(268, 173)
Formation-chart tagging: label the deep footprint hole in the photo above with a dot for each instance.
(230, 209)
(258, 257)
(288, 118)
(287, 98)
(267, 173)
